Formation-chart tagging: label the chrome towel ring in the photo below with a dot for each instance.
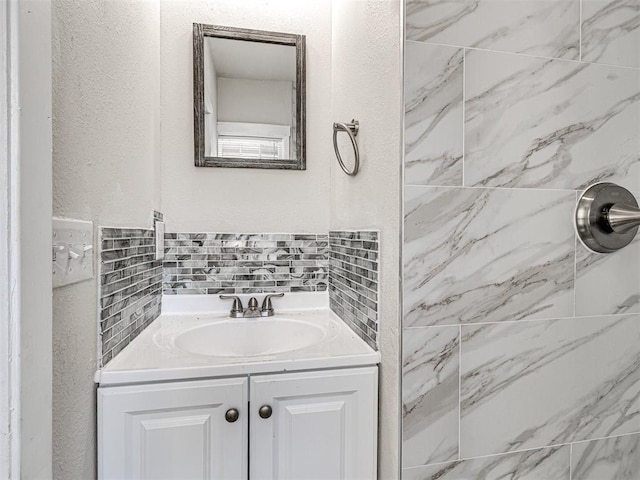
(352, 130)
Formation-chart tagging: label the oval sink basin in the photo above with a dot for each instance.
(246, 337)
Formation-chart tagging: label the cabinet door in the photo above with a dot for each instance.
(173, 431)
(323, 425)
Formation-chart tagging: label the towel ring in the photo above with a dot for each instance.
(352, 131)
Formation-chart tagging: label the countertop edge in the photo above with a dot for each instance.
(126, 377)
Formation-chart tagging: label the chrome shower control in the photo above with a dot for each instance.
(607, 217)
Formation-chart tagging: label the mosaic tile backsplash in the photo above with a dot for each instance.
(353, 281)
(130, 286)
(212, 263)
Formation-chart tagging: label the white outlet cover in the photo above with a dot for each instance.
(73, 251)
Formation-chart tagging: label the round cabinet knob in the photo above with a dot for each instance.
(265, 411)
(232, 415)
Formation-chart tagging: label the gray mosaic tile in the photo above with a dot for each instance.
(212, 263)
(130, 287)
(353, 281)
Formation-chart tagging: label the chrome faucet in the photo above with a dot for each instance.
(252, 310)
(267, 308)
(237, 310)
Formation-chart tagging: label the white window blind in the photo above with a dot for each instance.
(253, 141)
(256, 148)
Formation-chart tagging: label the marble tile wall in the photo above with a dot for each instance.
(212, 263)
(520, 346)
(130, 288)
(353, 281)
(608, 458)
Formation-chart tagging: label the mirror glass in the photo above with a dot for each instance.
(248, 98)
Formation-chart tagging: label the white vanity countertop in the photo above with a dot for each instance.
(153, 355)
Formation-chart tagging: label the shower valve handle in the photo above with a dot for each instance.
(607, 217)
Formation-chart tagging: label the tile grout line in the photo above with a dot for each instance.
(609, 437)
(575, 266)
(345, 280)
(496, 187)
(570, 461)
(144, 236)
(120, 290)
(142, 272)
(117, 249)
(532, 449)
(527, 55)
(459, 392)
(368, 276)
(515, 452)
(127, 338)
(464, 110)
(521, 54)
(580, 33)
(119, 322)
(348, 293)
(607, 316)
(155, 289)
(122, 259)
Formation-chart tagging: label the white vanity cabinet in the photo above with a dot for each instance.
(173, 430)
(322, 425)
(291, 426)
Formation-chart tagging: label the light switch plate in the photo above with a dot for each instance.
(73, 251)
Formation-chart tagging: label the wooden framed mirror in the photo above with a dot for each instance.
(248, 98)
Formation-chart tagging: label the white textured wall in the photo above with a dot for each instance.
(106, 169)
(254, 101)
(366, 85)
(244, 200)
(210, 102)
(119, 68)
(31, 132)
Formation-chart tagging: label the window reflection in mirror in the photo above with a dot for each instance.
(249, 109)
(249, 98)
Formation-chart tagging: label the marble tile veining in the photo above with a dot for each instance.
(430, 392)
(534, 27)
(608, 284)
(485, 255)
(611, 32)
(532, 384)
(433, 114)
(539, 123)
(611, 458)
(543, 464)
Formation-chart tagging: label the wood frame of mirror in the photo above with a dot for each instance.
(200, 31)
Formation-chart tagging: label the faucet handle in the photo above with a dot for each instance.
(237, 307)
(267, 308)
